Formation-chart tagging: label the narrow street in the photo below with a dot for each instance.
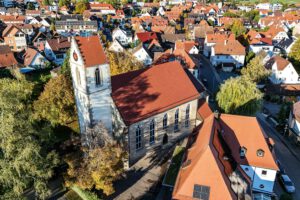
(286, 154)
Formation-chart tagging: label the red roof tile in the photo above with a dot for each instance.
(143, 93)
(146, 36)
(91, 50)
(7, 58)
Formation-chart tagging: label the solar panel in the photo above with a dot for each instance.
(201, 192)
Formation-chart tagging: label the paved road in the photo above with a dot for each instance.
(290, 162)
(208, 72)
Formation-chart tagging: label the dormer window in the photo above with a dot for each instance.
(260, 153)
(243, 151)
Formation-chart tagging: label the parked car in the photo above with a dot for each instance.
(287, 183)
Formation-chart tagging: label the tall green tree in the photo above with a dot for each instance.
(56, 103)
(24, 163)
(80, 6)
(237, 28)
(65, 67)
(123, 62)
(101, 165)
(255, 70)
(294, 55)
(239, 96)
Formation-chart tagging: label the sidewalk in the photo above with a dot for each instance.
(144, 177)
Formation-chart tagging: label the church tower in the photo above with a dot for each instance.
(91, 82)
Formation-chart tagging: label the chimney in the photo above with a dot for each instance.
(217, 114)
(58, 40)
(69, 39)
(225, 42)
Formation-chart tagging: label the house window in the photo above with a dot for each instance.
(59, 56)
(138, 138)
(264, 172)
(152, 132)
(165, 122)
(260, 153)
(78, 77)
(176, 121)
(187, 116)
(97, 77)
(243, 151)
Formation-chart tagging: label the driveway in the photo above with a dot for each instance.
(287, 154)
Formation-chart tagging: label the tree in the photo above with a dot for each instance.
(239, 96)
(56, 103)
(52, 27)
(46, 2)
(30, 6)
(294, 55)
(65, 67)
(237, 28)
(80, 7)
(101, 165)
(122, 63)
(256, 70)
(23, 161)
(250, 55)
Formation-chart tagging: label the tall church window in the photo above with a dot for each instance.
(138, 138)
(187, 116)
(152, 132)
(97, 77)
(165, 122)
(78, 77)
(176, 121)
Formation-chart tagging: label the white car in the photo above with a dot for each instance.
(287, 183)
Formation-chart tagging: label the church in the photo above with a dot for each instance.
(149, 107)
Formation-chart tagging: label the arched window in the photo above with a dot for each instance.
(176, 121)
(187, 116)
(97, 77)
(138, 138)
(78, 77)
(165, 122)
(152, 132)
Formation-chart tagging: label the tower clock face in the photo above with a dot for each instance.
(75, 56)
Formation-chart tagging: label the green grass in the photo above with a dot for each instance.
(173, 170)
(83, 194)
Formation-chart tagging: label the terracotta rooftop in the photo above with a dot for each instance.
(29, 56)
(252, 138)
(280, 63)
(146, 36)
(203, 109)
(143, 93)
(219, 37)
(229, 47)
(59, 44)
(91, 50)
(7, 58)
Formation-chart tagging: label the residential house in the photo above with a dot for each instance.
(142, 54)
(123, 36)
(283, 72)
(7, 58)
(285, 45)
(199, 33)
(258, 42)
(230, 54)
(189, 46)
(116, 46)
(276, 34)
(15, 38)
(102, 8)
(226, 161)
(12, 19)
(212, 38)
(34, 59)
(76, 27)
(169, 39)
(146, 37)
(56, 49)
(294, 122)
(163, 29)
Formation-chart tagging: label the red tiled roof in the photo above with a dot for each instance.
(29, 55)
(280, 62)
(146, 36)
(203, 109)
(141, 94)
(91, 50)
(59, 43)
(7, 58)
(252, 138)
